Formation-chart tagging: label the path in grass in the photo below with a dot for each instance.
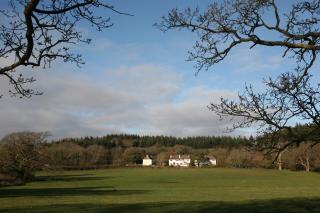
(166, 190)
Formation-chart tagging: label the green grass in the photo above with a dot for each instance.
(166, 190)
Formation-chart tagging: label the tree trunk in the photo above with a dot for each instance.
(279, 161)
(307, 165)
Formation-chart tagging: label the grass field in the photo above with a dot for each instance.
(166, 190)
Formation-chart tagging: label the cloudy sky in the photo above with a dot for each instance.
(136, 80)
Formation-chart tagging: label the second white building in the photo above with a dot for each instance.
(179, 160)
(147, 161)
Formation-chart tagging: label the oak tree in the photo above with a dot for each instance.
(288, 98)
(20, 154)
(34, 33)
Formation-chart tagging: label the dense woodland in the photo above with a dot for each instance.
(21, 154)
(123, 140)
(129, 150)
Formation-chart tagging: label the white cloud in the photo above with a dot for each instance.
(139, 99)
(148, 82)
(255, 60)
(191, 116)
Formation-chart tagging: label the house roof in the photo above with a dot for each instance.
(146, 157)
(211, 157)
(179, 157)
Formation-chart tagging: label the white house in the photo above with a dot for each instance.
(147, 161)
(213, 161)
(207, 161)
(179, 160)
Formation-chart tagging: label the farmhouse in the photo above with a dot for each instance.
(179, 160)
(147, 161)
(207, 161)
(212, 160)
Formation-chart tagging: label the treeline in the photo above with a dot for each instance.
(129, 150)
(23, 153)
(124, 140)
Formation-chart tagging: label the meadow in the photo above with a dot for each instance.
(166, 190)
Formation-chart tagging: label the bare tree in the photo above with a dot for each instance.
(20, 154)
(291, 96)
(306, 156)
(223, 26)
(34, 33)
(275, 111)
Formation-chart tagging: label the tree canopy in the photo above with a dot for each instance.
(292, 96)
(34, 33)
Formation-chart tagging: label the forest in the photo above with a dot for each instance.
(24, 153)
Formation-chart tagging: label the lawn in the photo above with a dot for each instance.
(166, 190)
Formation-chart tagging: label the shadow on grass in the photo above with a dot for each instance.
(71, 178)
(294, 205)
(80, 191)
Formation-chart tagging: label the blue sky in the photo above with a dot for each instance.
(136, 80)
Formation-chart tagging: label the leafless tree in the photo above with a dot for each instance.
(34, 33)
(275, 111)
(291, 96)
(306, 156)
(223, 26)
(20, 154)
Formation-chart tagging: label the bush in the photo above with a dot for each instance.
(19, 155)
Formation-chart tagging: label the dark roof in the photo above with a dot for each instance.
(211, 157)
(179, 156)
(147, 157)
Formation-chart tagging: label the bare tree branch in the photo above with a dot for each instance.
(223, 26)
(289, 98)
(37, 32)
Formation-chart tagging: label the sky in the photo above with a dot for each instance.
(136, 80)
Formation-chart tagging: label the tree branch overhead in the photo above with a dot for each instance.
(39, 32)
